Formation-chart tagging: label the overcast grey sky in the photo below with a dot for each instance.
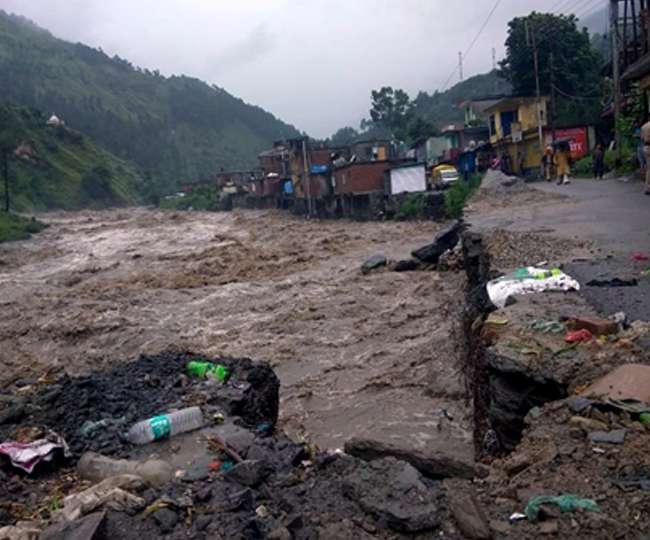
(312, 63)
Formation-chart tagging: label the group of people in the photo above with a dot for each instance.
(558, 160)
(557, 163)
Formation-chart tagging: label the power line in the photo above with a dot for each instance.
(471, 46)
(579, 98)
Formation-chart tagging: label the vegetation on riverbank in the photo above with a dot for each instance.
(15, 227)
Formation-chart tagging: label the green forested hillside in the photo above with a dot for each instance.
(57, 167)
(442, 107)
(175, 128)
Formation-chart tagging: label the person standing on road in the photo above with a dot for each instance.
(561, 160)
(598, 159)
(547, 162)
(645, 137)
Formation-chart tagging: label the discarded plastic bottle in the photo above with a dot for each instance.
(96, 467)
(203, 370)
(644, 418)
(165, 425)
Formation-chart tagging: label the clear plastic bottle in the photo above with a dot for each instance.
(96, 467)
(166, 425)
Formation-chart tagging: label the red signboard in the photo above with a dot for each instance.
(577, 140)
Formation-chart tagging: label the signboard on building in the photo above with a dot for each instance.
(577, 137)
(516, 132)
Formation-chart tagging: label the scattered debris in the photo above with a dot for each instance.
(628, 381)
(26, 456)
(113, 493)
(166, 425)
(639, 257)
(595, 325)
(528, 280)
(96, 467)
(20, 531)
(566, 503)
(548, 327)
(610, 437)
(578, 336)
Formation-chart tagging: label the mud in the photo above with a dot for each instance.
(356, 355)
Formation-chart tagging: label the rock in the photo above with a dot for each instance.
(502, 527)
(166, 519)
(578, 404)
(281, 533)
(12, 414)
(392, 491)
(374, 262)
(445, 239)
(433, 464)
(407, 265)
(467, 512)
(549, 527)
(204, 494)
(202, 521)
(86, 528)
(249, 473)
(587, 424)
(611, 437)
(342, 530)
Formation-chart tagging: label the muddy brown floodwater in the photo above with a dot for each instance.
(358, 356)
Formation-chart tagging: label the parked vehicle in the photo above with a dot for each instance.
(443, 176)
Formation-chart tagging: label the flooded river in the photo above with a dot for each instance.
(358, 356)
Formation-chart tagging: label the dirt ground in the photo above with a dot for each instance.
(366, 356)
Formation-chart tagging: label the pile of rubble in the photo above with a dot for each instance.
(499, 190)
(237, 477)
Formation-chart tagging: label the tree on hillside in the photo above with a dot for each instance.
(391, 109)
(575, 63)
(419, 128)
(344, 136)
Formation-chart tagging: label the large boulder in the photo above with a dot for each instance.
(444, 240)
(434, 462)
(374, 262)
(393, 492)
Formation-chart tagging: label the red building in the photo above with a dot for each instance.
(358, 178)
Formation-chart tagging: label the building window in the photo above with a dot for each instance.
(493, 125)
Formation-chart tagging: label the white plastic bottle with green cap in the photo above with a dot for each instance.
(166, 425)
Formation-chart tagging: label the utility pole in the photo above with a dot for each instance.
(553, 112)
(531, 39)
(613, 31)
(460, 65)
(306, 173)
(5, 170)
(494, 59)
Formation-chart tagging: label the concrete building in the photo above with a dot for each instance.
(513, 126)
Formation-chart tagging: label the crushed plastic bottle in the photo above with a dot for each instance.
(165, 425)
(96, 467)
(203, 370)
